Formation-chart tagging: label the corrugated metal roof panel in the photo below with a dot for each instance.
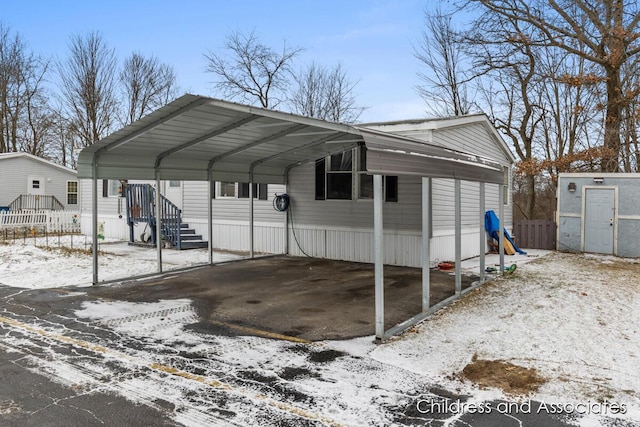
(194, 136)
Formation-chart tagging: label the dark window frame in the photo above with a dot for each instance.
(260, 191)
(325, 177)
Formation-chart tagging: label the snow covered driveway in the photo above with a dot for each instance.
(572, 318)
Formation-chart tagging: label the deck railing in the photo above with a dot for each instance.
(141, 207)
(35, 202)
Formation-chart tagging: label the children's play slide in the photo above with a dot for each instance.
(491, 225)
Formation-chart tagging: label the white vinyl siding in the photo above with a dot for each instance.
(195, 204)
(14, 173)
(483, 144)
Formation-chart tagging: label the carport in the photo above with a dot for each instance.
(205, 139)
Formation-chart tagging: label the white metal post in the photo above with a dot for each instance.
(458, 237)
(379, 255)
(210, 218)
(426, 243)
(501, 226)
(483, 238)
(94, 219)
(251, 217)
(286, 216)
(158, 222)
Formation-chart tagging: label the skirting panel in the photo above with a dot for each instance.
(109, 226)
(402, 248)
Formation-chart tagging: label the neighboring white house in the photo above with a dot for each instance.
(31, 182)
(331, 213)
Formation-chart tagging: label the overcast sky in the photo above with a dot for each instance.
(373, 40)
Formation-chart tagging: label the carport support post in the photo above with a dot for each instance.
(251, 216)
(483, 244)
(426, 250)
(94, 219)
(501, 226)
(286, 215)
(209, 218)
(158, 221)
(378, 255)
(458, 237)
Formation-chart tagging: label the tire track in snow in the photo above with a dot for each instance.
(72, 372)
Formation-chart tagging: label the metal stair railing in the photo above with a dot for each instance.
(36, 202)
(141, 207)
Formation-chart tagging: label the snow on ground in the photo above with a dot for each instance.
(574, 318)
(47, 262)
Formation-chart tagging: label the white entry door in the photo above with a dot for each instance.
(599, 219)
(35, 185)
(173, 192)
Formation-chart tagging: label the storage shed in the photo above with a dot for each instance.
(599, 213)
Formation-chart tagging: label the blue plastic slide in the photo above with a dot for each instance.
(491, 226)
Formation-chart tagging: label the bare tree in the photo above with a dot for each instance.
(326, 94)
(66, 142)
(604, 32)
(445, 87)
(147, 84)
(252, 71)
(23, 102)
(88, 88)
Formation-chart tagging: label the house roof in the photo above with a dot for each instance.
(7, 156)
(200, 138)
(441, 123)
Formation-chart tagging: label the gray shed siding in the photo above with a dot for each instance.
(14, 173)
(571, 211)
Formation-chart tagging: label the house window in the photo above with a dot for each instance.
(389, 187)
(72, 192)
(337, 176)
(259, 191)
(35, 184)
(174, 184)
(226, 189)
(113, 188)
(340, 176)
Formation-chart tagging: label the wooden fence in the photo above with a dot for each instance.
(535, 233)
(51, 221)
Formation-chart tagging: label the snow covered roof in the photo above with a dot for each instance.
(201, 138)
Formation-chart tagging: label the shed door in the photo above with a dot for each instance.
(599, 220)
(35, 185)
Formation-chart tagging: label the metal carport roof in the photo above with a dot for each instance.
(195, 135)
(206, 139)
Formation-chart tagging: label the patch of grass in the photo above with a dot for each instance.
(63, 250)
(512, 379)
